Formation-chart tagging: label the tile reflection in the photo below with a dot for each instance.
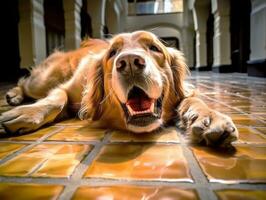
(46, 160)
(166, 135)
(248, 135)
(7, 149)
(10, 191)
(245, 120)
(31, 136)
(134, 193)
(237, 194)
(246, 164)
(147, 162)
(84, 133)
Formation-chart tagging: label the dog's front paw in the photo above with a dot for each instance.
(14, 96)
(22, 119)
(213, 129)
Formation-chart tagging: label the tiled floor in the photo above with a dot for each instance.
(70, 160)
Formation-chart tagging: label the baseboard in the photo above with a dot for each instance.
(257, 68)
(222, 68)
(203, 68)
(192, 68)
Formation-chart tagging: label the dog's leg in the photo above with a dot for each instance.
(206, 125)
(28, 118)
(44, 77)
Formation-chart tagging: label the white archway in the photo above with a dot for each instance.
(166, 31)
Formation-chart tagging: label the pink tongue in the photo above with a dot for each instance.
(139, 104)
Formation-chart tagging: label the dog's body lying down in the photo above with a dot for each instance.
(132, 82)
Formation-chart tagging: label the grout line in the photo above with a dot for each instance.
(237, 109)
(198, 175)
(230, 93)
(30, 146)
(92, 142)
(80, 170)
(108, 182)
(237, 86)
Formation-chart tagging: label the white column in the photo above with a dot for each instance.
(221, 40)
(32, 44)
(72, 23)
(188, 34)
(96, 10)
(258, 30)
(200, 15)
(257, 60)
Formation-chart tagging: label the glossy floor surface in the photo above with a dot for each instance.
(71, 160)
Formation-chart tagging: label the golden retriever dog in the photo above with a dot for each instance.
(131, 82)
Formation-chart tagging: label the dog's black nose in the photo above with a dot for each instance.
(130, 63)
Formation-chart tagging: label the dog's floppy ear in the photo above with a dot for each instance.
(179, 70)
(93, 94)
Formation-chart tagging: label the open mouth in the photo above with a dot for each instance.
(140, 109)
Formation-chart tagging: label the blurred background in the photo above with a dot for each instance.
(215, 35)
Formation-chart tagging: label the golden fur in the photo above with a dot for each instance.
(87, 81)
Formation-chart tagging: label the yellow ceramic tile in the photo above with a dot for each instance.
(223, 109)
(10, 191)
(35, 135)
(4, 108)
(261, 116)
(167, 135)
(147, 162)
(134, 193)
(3, 102)
(252, 109)
(262, 129)
(72, 122)
(237, 194)
(7, 149)
(25, 163)
(244, 103)
(63, 163)
(53, 160)
(245, 120)
(247, 164)
(84, 133)
(248, 135)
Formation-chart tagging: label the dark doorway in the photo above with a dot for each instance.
(209, 37)
(171, 42)
(10, 58)
(240, 34)
(54, 24)
(86, 27)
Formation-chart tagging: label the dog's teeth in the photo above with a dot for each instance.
(132, 112)
(152, 107)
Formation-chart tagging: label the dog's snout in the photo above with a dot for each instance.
(130, 63)
(139, 62)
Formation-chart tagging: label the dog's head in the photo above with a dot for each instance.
(136, 84)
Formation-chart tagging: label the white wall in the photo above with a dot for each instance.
(165, 31)
(258, 30)
(167, 25)
(162, 25)
(116, 13)
(174, 20)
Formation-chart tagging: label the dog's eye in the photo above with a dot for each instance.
(154, 48)
(112, 53)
